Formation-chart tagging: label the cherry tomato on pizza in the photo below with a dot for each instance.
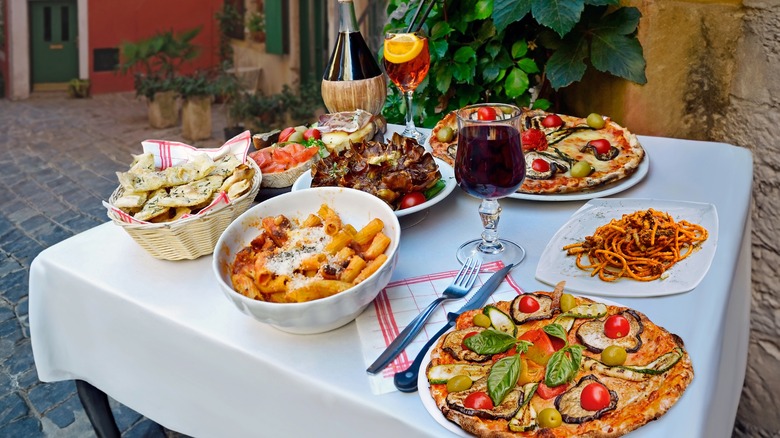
(478, 400)
(616, 326)
(540, 165)
(601, 145)
(528, 304)
(595, 397)
(411, 199)
(533, 139)
(552, 121)
(486, 113)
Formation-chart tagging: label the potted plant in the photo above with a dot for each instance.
(229, 93)
(78, 88)
(264, 112)
(153, 62)
(255, 23)
(516, 52)
(196, 91)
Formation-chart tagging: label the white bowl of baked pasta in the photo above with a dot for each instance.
(308, 261)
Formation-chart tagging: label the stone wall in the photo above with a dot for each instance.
(714, 74)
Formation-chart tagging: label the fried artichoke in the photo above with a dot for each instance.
(386, 170)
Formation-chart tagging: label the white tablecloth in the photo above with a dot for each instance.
(160, 338)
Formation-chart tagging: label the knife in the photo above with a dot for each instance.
(406, 381)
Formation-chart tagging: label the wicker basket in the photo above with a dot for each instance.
(189, 238)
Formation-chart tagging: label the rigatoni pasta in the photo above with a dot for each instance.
(319, 256)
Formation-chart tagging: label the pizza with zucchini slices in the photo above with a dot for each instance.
(564, 154)
(550, 364)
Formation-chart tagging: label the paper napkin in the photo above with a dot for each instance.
(400, 302)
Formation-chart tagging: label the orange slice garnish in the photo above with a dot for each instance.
(402, 47)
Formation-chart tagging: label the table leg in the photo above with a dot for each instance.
(95, 404)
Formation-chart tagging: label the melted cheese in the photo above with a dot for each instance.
(301, 244)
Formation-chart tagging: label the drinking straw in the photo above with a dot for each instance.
(411, 27)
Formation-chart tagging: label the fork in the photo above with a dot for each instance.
(458, 289)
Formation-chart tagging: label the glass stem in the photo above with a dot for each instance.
(489, 212)
(409, 111)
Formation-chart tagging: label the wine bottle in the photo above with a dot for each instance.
(352, 79)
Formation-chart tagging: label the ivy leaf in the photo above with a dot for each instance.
(567, 64)
(516, 83)
(503, 378)
(484, 9)
(443, 78)
(440, 30)
(464, 54)
(506, 12)
(541, 104)
(493, 48)
(463, 73)
(623, 21)
(558, 15)
(620, 55)
(528, 65)
(519, 49)
(490, 73)
(602, 2)
(439, 48)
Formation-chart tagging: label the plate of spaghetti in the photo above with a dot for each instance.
(632, 248)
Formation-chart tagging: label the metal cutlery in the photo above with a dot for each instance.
(406, 381)
(459, 288)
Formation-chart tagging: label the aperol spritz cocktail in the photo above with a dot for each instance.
(407, 61)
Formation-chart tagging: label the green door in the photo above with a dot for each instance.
(53, 41)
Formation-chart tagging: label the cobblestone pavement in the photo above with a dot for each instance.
(58, 158)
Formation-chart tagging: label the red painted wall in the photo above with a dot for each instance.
(112, 22)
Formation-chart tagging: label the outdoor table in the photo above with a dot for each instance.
(159, 336)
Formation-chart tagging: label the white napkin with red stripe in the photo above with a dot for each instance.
(173, 153)
(400, 302)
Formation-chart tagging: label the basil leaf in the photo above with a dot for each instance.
(576, 357)
(562, 368)
(522, 346)
(503, 378)
(490, 342)
(558, 369)
(556, 330)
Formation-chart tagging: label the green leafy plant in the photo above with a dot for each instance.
(154, 61)
(78, 88)
(301, 105)
(198, 84)
(516, 51)
(229, 22)
(255, 22)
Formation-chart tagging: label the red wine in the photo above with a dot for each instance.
(489, 168)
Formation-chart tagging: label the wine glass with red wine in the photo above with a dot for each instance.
(489, 165)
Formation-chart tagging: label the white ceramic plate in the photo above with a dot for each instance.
(607, 190)
(447, 174)
(554, 265)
